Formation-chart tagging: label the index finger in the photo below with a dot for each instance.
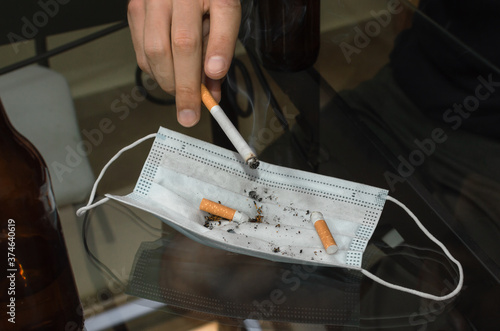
(187, 53)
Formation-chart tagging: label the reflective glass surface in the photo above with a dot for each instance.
(395, 94)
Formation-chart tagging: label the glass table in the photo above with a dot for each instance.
(369, 109)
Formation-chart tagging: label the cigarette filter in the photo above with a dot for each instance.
(227, 126)
(324, 233)
(223, 211)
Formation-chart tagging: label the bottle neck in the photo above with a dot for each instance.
(22, 169)
(12, 141)
(9, 136)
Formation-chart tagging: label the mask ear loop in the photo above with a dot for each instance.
(91, 205)
(368, 274)
(437, 242)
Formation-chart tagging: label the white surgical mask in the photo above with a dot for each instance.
(180, 171)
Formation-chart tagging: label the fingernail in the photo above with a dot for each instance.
(187, 117)
(216, 65)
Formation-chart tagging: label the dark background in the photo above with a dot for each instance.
(37, 19)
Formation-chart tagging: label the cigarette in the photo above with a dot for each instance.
(324, 233)
(223, 211)
(227, 126)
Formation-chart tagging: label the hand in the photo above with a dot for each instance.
(182, 42)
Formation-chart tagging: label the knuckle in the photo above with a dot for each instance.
(184, 41)
(222, 40)
(233, 5)
(168, 86)
(165, 81)
(170, 89)
(229, 3)
(154, 49)
(134, 6)
(185, 91)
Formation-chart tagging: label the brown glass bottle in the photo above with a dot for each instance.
(288, 35)
(37, 287)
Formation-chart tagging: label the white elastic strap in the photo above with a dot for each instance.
(91, 205)
(437, 242)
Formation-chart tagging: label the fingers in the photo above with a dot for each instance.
(170, 41)
(156, 43)
(225, 17)
(187, 56)
(149, 23)
(136, 15)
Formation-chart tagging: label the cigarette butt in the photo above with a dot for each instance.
(324, 233)
(229, 129)
(223, 211)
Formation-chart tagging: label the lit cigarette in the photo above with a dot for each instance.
(223, 211)
(227, 126)
(324, 233)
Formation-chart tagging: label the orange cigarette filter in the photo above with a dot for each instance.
(207, 98)
(217, 209)
(324, 232)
